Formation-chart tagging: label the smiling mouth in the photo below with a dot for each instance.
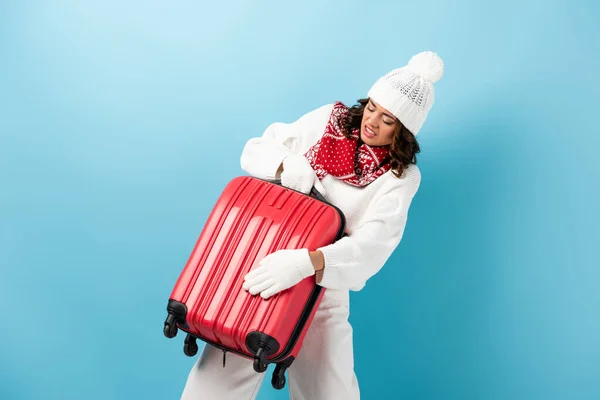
(369, 132)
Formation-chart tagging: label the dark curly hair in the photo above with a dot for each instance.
(404, 147)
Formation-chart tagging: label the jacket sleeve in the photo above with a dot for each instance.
(262, 155)
(352, 260)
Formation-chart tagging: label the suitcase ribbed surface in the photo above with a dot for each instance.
(251, 219)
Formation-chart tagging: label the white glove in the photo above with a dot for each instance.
(278, 271)
(298, 174)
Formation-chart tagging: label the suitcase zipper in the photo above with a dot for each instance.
(224, 354)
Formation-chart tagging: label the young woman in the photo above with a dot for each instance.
(363, 160)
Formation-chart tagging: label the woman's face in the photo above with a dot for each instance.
(378, 125)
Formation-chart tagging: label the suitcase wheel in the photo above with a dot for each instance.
(260, 361)
(278, 379)
(259, 366)
(170, 329)
(190, 347)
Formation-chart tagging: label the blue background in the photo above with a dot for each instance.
(120, 123)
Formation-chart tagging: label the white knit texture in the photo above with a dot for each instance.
(375, 215)
(408, 92)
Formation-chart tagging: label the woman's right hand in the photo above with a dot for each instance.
(297, 174)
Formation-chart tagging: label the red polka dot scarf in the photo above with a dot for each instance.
(337, 156)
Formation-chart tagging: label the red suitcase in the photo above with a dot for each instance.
(252, 218)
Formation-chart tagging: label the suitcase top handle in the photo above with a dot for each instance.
(314, 192)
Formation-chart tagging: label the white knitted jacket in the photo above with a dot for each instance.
(375, 214)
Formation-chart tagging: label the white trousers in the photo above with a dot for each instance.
(323, 370)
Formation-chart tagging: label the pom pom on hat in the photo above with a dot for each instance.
(408, 92)
(428, 65)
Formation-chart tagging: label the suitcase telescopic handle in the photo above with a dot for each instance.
(314, 192)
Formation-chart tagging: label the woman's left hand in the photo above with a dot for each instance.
(279, 271)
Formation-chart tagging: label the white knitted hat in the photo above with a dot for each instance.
(407, 92)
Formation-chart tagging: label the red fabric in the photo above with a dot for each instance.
(334, 154)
